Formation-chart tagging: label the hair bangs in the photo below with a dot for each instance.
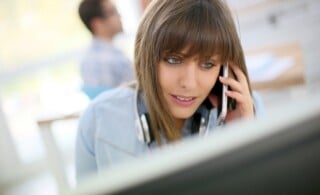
(195, 35)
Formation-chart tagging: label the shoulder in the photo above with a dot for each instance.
(108, 116)
(114, 99)
(107, 109)
(110, 121)
(115, 94)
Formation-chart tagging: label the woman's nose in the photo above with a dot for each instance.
(188, 78)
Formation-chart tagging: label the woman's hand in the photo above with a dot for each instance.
(239, 92)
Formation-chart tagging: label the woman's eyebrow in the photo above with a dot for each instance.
(176, 53)
(214, 59)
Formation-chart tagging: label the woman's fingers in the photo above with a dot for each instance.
(238, 82)
(239, 92)
(234, 85)
(238, 73)
(235, 95)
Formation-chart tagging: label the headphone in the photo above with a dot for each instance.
(199, 122)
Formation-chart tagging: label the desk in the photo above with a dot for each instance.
(293, 76)
(55, 160)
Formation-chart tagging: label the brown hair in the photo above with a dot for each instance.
(205, 27)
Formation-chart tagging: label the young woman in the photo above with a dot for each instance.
(180, 49)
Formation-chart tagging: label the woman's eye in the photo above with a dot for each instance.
(207, 65)
(173, 60)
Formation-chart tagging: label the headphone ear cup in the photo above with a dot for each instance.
(199, 123)
(146, 128)
(195, 125)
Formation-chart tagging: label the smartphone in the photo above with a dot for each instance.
(219, 90)
(225, 103)
(224, 99)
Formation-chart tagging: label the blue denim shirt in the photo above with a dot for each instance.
(107, 132)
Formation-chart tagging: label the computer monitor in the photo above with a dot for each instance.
(276, 154)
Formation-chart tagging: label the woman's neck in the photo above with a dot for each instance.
(179, 123)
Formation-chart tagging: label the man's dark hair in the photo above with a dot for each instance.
(89, 9)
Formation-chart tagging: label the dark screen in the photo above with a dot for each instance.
(284, 163)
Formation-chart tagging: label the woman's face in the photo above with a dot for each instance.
(186, 82)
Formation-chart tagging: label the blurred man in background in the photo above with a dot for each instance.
(103, 66)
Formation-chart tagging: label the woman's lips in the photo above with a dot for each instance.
(183, 100)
